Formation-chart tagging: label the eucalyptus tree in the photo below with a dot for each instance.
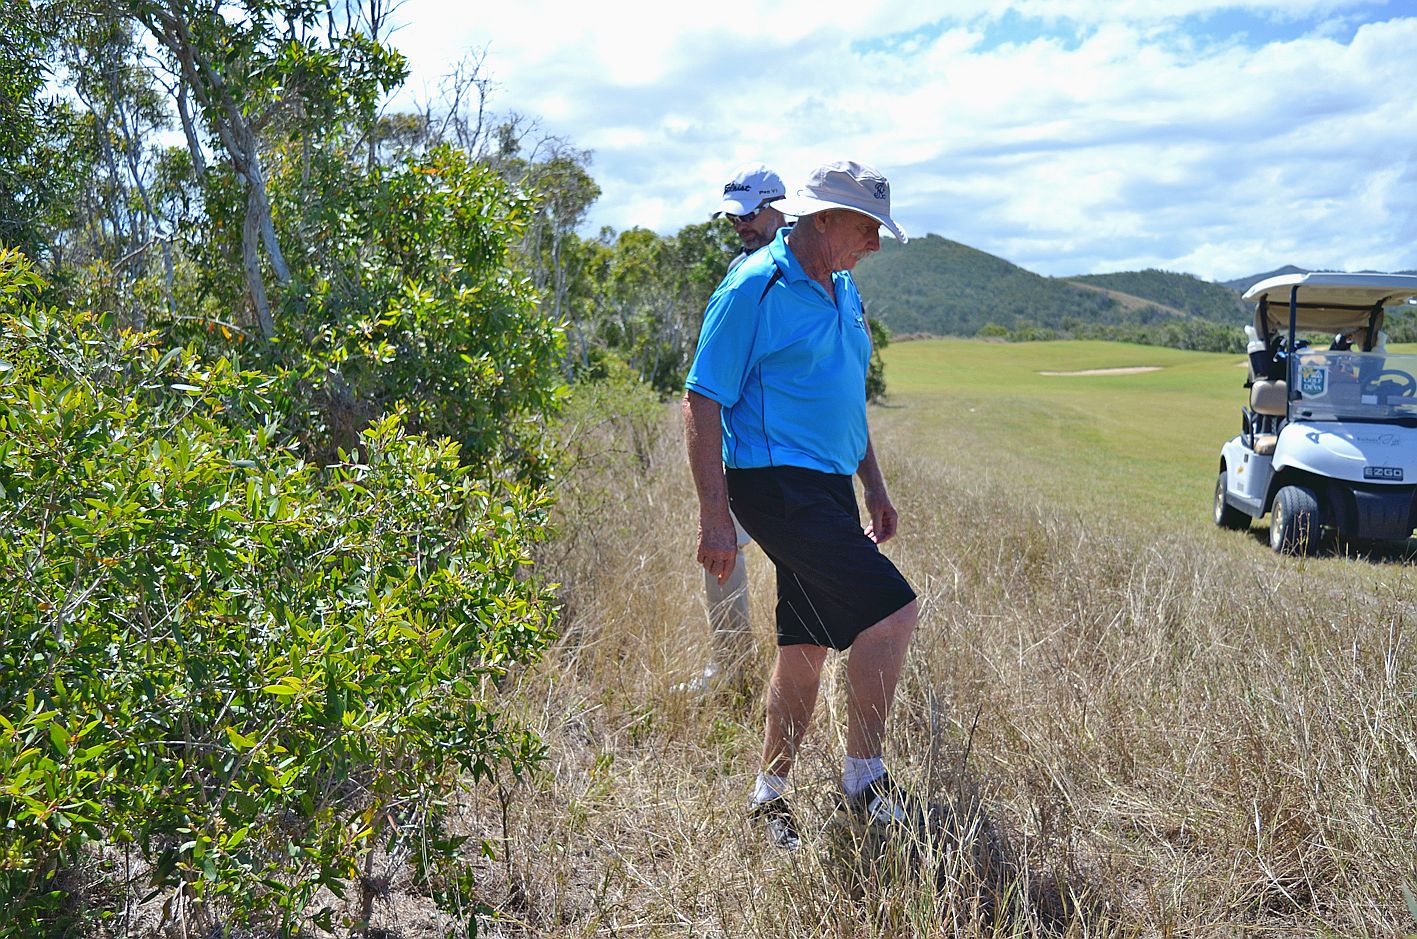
(251, 76)
(648, 295)
(35, 169)
(119, 215)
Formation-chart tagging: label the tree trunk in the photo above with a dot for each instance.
(259, 204)
(189, 130)
(251, 267)
(167, 25)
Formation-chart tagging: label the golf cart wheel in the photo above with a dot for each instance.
(1294, 521)
(1226, 515)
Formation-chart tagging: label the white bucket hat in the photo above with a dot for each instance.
(845, 185)
(752, 185)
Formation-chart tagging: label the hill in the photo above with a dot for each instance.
(1245, 283)
(1241, 284)
(935, 285)
(1182, 292)
(941, 287)
(1128, 301)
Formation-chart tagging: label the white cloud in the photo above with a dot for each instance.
(1065, 135)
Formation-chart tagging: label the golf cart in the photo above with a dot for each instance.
(1328, 444)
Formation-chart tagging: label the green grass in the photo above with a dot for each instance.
(1147, 441)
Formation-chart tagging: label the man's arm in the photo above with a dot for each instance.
(884, 518)
(703, 433)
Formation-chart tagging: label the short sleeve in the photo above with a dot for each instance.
(726, 342)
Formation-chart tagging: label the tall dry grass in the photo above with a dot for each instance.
(1172, 734)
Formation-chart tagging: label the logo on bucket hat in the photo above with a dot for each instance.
(844, 184)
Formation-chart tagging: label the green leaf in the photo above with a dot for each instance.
(59, 736)
(240, 741)
(237, 836)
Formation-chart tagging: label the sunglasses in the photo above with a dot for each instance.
(746, 218)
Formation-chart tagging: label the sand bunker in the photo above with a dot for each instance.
(1126, 370)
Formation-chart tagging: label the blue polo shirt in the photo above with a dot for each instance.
(786, 364)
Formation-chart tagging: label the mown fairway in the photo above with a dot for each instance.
(1146, 443)
(1174, 730)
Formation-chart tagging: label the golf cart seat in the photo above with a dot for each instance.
(1270, 398)
(1269, 402)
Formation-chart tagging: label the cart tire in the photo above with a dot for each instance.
(1294, 521)
(1226, 515)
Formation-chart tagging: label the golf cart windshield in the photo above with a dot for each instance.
(1361, 386)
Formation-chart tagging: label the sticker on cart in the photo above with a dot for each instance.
(1313, 380)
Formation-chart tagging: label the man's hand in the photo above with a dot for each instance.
(884, 518)
(718, 546)
(718, 539)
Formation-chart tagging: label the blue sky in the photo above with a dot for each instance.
(1069, 136)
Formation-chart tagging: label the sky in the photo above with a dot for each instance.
(1216, 138)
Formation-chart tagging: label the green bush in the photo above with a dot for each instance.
(407, 295)
(876, 368)
(247, 671)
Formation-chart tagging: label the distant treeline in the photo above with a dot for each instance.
(1195, 334)
(1401, 326)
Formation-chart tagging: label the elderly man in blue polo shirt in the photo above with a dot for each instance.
(775, 420)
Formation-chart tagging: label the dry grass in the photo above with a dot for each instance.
(1189, 737)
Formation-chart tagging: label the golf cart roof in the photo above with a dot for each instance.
(1328, 302)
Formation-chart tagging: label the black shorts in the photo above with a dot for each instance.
(832, 581)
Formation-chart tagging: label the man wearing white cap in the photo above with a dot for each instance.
(747, 199)
(746, 204)
(775, 421)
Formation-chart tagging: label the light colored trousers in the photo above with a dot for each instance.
(728, 611)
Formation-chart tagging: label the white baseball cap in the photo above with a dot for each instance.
(843, 184)
(752, 185)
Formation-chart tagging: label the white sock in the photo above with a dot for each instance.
(768, 788)
(860, 773)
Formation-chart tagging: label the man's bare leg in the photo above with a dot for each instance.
(872, 671)
(792, 696)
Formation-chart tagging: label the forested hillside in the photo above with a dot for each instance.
(941, 287)
(1241, 284)
(935, 285)
(1183, 292)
